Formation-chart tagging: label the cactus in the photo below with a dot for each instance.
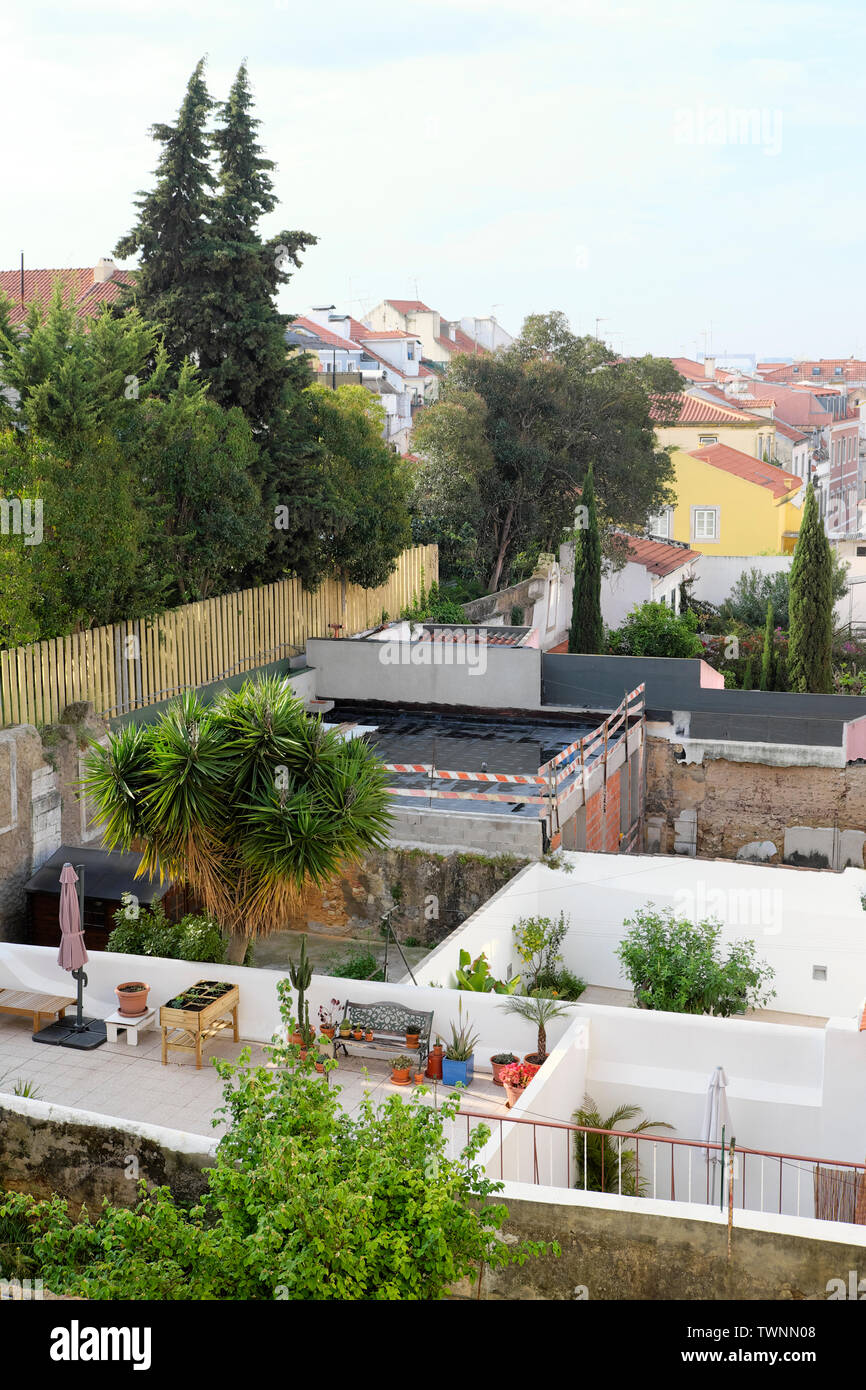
(300, 976)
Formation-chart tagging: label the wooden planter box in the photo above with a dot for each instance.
(185, 1029)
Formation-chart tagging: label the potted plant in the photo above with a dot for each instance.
(419, 1078)
(515, 1079)
(458, 1064)
(413, 1033)
(369, 1035)
(500, 1061)
(132, 998)
(328, 1018)
(357, 1032)
(345, 1028)
(539, 1010)
(434, 1061)
(400, 1067)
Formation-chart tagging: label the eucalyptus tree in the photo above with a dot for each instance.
(246, 800)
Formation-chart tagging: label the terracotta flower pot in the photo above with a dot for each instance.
(401, 1077)
(434, 1063)
(536, 1059)
(513, 1094)
(358, 1034)
(498, 1068)
(412, 1040)
(320, 1066)
(328, 1032)
(132, 998)
(369, 1035)
(419, 1077)
(296, 1038)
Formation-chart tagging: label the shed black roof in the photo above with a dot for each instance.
(107, 874)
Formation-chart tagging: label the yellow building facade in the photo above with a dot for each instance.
(731, 503)
(702, 423)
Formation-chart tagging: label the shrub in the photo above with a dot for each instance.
(653, 629)
(537, 941)
(361, 965)
(559, 984)
(677, 965)
(195, 937)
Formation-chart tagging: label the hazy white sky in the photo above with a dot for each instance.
(516, 155)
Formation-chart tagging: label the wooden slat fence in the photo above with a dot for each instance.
(136, 663)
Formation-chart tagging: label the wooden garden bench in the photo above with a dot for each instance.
(388, 1022)
(40, 1007)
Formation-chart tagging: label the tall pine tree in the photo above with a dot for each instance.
(586, 633)
(209, 281)
(170, 235)
(810, 639)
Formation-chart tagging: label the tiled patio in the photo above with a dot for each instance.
(131, 1082)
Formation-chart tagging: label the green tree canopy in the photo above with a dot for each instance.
(546, 407)
(369, 482)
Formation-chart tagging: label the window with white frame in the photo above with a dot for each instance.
(705, 523)
(661, 523)
(705, 439)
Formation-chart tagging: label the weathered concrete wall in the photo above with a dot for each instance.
(477, 834)
(48, 1148)
(626, 1254)
(741, 803)
(361, 669)
(39, 806)
(432, 893)
(29, 818)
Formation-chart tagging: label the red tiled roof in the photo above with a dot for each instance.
(324, 334)
(796, 436)
(409, 306)
(77, 282)
(752, 470)
(695, 411)
(658, 557)
(691, 370)
(369, 333)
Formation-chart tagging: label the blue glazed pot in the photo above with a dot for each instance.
(457, 1073)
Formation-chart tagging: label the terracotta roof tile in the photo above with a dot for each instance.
(77, 281)
(752, 470)
(695, 411)
(657, 556)
(409, 306)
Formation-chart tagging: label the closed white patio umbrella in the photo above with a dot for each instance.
(717, 1117)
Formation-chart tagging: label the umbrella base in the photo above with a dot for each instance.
(88, 1034)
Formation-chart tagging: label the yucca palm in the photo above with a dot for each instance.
(602, 1162)
(537, 1009)
(246, 800)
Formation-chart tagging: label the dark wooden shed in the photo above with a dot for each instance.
(108, 874)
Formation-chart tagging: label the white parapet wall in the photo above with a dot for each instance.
(809, 925)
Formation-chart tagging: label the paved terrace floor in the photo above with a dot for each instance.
(131, 1083)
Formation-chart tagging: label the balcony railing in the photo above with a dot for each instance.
(559, 1154)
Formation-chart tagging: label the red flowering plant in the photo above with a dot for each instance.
(518, 1075)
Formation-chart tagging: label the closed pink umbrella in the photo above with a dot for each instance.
(72, 955)
(79, 1032)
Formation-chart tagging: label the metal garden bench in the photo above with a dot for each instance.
(389, 1023)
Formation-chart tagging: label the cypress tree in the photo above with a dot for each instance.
(781, 681)
(586, 633)
(747, 675)
(810, 642)
(767, 653)
(170, 235)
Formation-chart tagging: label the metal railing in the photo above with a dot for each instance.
(560, 1154)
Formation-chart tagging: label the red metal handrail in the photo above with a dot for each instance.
(706, 1148)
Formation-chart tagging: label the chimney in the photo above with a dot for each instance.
(103, 270)
(452, 332)
(709, 366)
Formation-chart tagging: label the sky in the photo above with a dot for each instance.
(679, 177)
